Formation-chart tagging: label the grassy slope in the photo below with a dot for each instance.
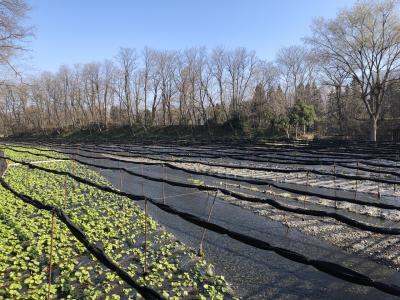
(111, 221)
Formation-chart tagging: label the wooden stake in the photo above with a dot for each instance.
(145, 237)
(334, 182)
(120, 180)
(145, 229)
(379, 190)
(394, 185)
(284, 212)
(379, 195)
(305, 196)
(334, 176)
(201, 251)
(355, 194)
(73, 172)
(51, 254)
(163, 192)
(163, 188)
(208, 197)
(65, 192)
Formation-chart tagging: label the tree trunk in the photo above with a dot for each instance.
(373, 129)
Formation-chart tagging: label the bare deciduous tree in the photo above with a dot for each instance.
(365, 42)
(296, 65)
(13, 33)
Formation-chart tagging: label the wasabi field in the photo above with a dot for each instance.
(177, 219)
(200, 150)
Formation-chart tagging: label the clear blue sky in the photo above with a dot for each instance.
(80, 31)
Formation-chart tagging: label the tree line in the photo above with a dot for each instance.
(342, 81)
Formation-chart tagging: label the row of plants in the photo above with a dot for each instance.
(113, 222)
